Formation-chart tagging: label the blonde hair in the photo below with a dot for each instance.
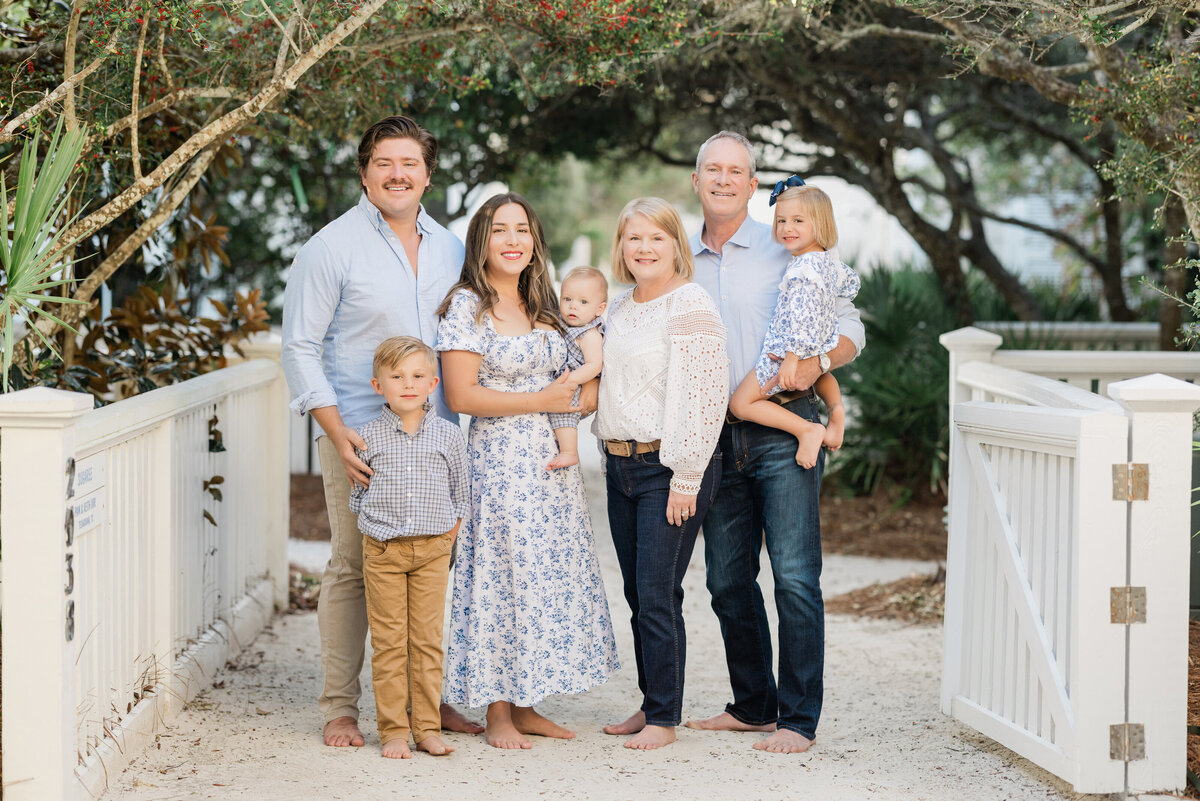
(587, 273)
(394, 350)
(816, 208)
(662, 214)
(534, 285)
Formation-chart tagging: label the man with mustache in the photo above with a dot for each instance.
(378, 271)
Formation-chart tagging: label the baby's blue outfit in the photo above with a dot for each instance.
(574, 352)
(804, 321)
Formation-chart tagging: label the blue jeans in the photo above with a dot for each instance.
(654, 555)
(763, 490)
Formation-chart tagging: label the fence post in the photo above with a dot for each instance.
(37, 438)
(278, 481)
(1160, 410)
(965, 345)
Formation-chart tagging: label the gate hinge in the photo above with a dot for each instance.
(1131, 482)
(1127, 742)
(1127, 604)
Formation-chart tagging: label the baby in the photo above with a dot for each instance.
(582, 300)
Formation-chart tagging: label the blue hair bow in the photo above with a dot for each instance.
(794, 180)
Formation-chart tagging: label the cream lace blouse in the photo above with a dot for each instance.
(666, 377)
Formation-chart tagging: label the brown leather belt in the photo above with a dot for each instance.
(779, 397)
(627, 447)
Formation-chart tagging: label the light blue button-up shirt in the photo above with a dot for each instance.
(351, 287)
(744, 281)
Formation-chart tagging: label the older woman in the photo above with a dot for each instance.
(529, 617)
(662, 403)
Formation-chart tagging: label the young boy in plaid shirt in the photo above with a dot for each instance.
(409, 516)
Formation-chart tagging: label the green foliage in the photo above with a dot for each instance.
(147, 342)
(896, 389)
(29, 271)
(1071, 300)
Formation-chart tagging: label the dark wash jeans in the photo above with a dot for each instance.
(653, 556)
(764, 491)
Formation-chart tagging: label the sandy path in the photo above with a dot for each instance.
(256, 733)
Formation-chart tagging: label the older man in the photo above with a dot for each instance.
(764, 494)
(379, 270)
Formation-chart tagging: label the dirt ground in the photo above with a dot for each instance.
(872, 525)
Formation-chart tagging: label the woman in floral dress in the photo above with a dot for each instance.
(529, 617)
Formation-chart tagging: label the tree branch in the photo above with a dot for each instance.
(220, 127)
(69, 63)
(7, 133)
(134, 156)
(77, 311)
(19, 54)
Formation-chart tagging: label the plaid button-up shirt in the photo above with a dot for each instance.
(420, 486)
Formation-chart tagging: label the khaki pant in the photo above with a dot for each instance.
(405, 582)
(342, 609)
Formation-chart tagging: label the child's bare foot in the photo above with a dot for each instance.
(810, 445)
(435, 745)
(631, 725)
(453, 720)
(834, 434)
(397, 749)
(564, 459)
(651, 737)
(343, 731)
(528, 721)
(784, 741)
(727, 722)
(500, 731)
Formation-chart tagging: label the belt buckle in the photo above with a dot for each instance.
(619, 447)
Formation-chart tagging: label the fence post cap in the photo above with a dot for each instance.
(970, 337)
(1156, 393)
(43, 406)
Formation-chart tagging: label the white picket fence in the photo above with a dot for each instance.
(1042, 544)
(126, 582)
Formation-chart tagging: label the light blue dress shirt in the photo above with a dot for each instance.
(351, 287)
(744, 280)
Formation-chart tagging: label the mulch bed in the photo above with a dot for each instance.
(885, 524)
(913, 599)
(308, 520)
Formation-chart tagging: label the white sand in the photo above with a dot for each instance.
(257, 735)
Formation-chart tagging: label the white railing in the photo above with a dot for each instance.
(1077, 336)
(1038, 542)
(137, 556)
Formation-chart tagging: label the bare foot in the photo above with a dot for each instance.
(784, 741)
(435, 745)
(651, 737)
(528, 721)
(835, 429)
(343, 731)
(500, 731)
(453, 720)
(727, 722)
(564, 459)
(397, 749)
(810, 445)
(631, 725)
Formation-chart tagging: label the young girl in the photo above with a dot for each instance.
(581, 301)
(804, 323)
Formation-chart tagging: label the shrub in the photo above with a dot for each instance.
(896, 389)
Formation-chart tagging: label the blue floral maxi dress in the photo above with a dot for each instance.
(529, 617)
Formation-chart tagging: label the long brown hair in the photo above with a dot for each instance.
(534, 285)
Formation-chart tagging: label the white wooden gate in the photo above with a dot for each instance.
(1041, 548)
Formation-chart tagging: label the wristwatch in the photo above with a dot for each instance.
(823, 360)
